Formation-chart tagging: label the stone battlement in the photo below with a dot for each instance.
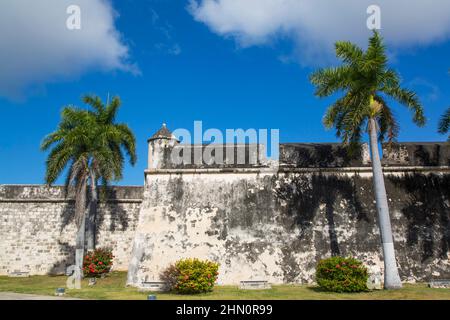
(298, 155)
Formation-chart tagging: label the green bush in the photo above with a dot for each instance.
(97, 262)
(339, 274)
(191, 276)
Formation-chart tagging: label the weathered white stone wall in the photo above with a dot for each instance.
(277, 226)
(31, 238)
(37, 234)
(257, 223)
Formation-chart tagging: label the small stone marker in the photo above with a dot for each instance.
(374, 281)
(156, 286)
(60, 292)
(92, 281)
(19, 274)
(441, 284)
(151, 297)
(254, 285)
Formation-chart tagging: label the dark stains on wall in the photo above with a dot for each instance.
(304, 194)
(318, 155)
(417, 154)
(422, 199)
(336, 200)
(307, 155)
(256, 205)
(304, 215)
(329, 214)
(426, 207)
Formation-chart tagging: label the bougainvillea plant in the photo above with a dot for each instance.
(97, 262)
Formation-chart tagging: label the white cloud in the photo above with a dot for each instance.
(315, 25)
(38, 48)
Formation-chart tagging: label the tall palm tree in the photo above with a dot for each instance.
(90, 145)
(444, 123)
(365, 81)
(109, 141)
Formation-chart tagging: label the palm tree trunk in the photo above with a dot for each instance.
(80, 240)
(79, 255)
(91, 226)
(391, 276)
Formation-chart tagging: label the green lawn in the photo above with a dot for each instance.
(113, 287)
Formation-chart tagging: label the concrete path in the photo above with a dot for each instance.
(21, 296)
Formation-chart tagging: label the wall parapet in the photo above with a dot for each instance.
(295, 155)
(386, 170)
(57, 194)
(428, 154)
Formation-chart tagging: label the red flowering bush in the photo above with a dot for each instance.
(97, 262)
(190, 276)
(339, 274)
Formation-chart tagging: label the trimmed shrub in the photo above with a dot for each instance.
(339, 274)
(97, 262)
(191, 276)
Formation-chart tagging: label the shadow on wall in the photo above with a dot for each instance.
(427, 210)
(118, 215)
(67, 214)
(108, 203)
(427, 157)
(305, 194)
(319, 155)
(68, 251)
(65, 249)
(413, 154)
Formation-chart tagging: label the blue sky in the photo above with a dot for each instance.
(183, 65)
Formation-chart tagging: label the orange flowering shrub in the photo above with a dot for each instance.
(339, 274)
(190, 276)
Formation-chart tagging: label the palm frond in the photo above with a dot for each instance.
(375, 57)
(95, 102)
(332, 114)
(51, 139)
(57, 160)
(409, 99)
(389, 78)
(128, 141)
(331, 80)
(349, 52)
(444, 122)
(386, 122)
(111, 110)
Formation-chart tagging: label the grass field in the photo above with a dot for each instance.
(113, 288)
